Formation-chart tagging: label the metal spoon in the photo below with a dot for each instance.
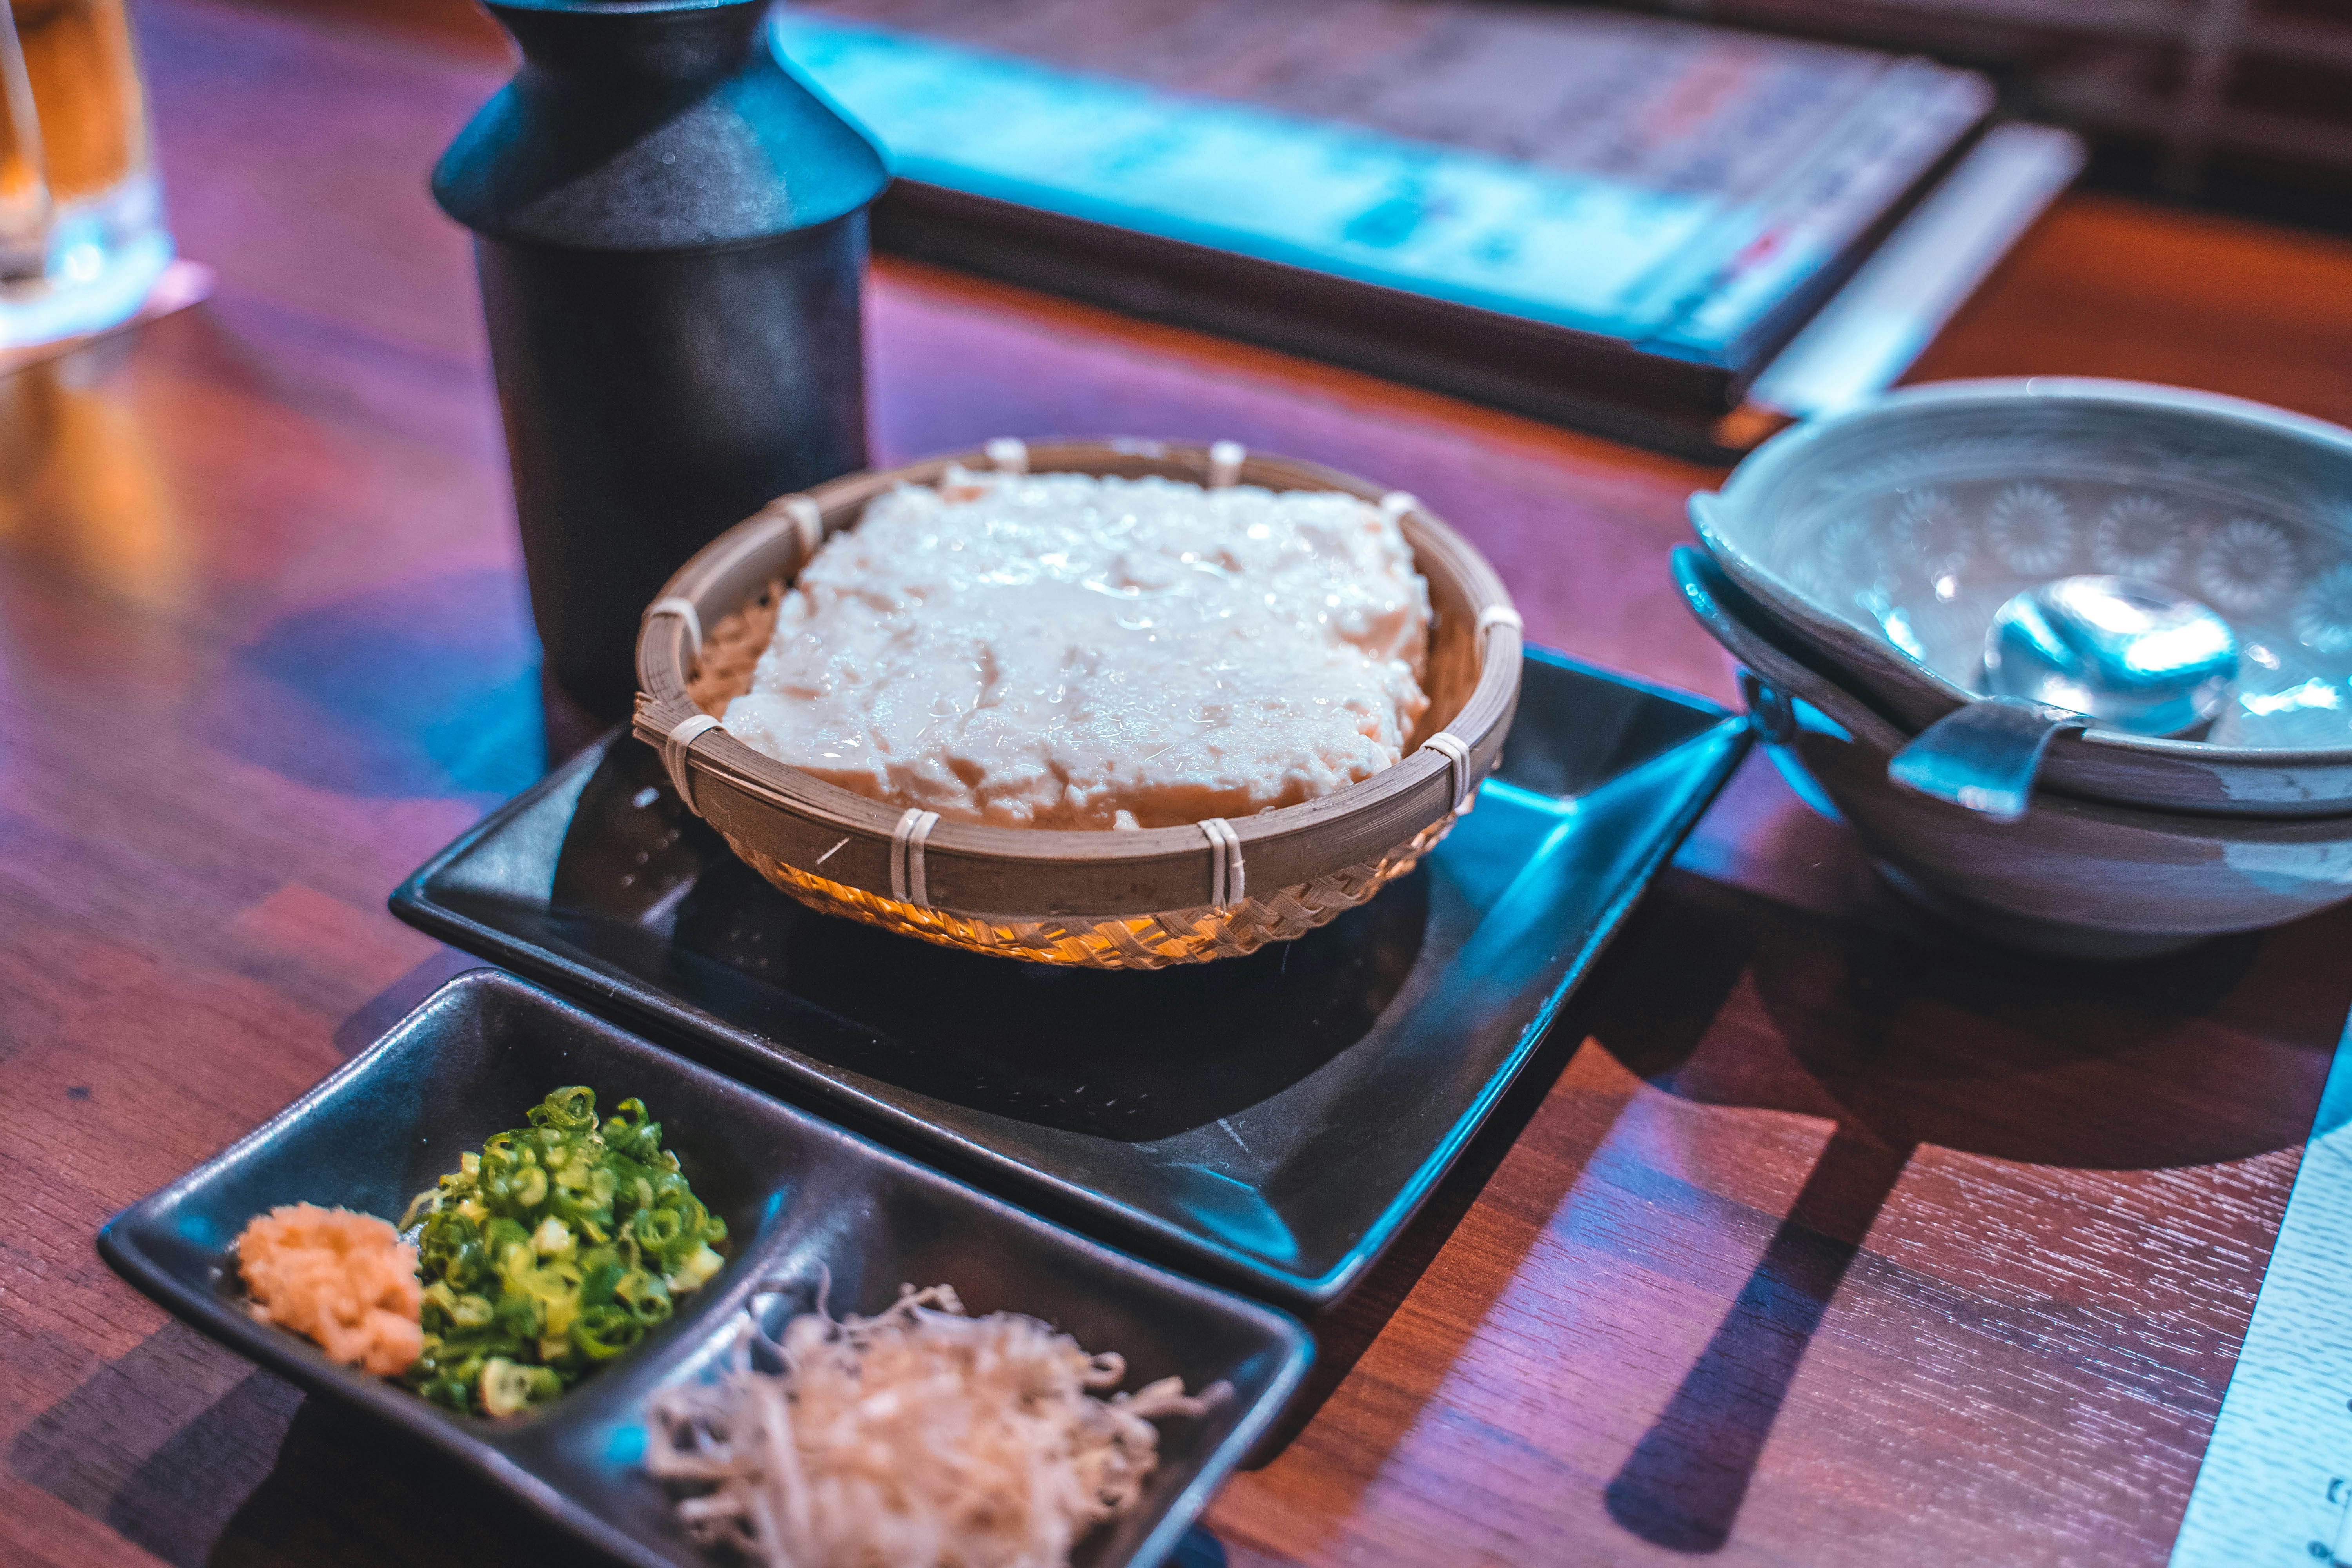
(2082, 651)
(2130, 655)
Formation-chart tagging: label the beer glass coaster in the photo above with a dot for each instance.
(180, 285)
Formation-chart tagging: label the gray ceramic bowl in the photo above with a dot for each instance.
(2073, 877)
(1883, 540)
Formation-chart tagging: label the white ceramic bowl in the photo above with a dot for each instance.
(2073, 877)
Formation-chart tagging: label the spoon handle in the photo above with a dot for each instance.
(1983, 756)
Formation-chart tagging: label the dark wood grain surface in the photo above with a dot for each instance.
(1814, 1238)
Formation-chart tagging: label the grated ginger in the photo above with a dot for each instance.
(919, 1437)
(344, 1280)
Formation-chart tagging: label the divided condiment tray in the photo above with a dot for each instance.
(1268, 1123)
(803, 1201)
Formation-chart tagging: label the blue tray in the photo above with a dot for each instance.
(486, 1047)
(1270, 1122)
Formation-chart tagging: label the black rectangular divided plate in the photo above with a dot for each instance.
(1269, 1121)
(803, 1201)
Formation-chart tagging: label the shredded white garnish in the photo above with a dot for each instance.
(919, 1437)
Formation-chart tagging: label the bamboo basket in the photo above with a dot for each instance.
(1143, 899)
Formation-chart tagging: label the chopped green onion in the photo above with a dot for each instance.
(552, 1251)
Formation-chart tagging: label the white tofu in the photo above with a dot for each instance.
(1055, 650)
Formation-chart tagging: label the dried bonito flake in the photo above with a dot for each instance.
(919, 1437)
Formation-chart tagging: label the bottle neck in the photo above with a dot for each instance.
(652, 125)
(646, 42)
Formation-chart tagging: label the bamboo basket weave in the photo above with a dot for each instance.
(1143, 899)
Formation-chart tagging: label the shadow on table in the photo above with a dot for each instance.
(1902, 1037)
(186, 1451)
(423, 688)
(162, 1443)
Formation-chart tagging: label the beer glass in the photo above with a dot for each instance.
(81, 219)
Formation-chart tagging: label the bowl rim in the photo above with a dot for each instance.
(1770, 461)
(1027, 873)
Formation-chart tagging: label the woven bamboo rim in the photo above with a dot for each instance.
(1114, 900)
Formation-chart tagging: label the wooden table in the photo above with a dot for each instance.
(1814, 1238)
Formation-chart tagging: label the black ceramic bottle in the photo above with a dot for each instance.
(670, 232)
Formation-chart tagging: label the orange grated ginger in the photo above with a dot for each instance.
(344, 1280)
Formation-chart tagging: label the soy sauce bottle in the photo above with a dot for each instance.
(670, 234)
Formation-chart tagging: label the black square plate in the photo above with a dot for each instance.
(803, 1200)
(1268, 1121)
